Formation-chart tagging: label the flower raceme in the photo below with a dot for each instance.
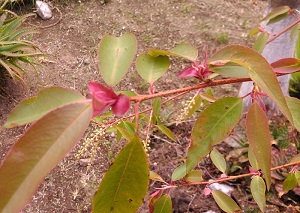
(104, 97)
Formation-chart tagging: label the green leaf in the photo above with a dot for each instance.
(277, 14)
(125, 133)
(258, 134)
(34, 108)
(258, 190)
(225, 202)
(156, 106)
(9, 54)
(208, 97)
(41, 147)
(194, 176)
(152, 68)
(156, 120)
(129, 126)
(127, 93)
(297, 47)
(254, 31)
(13, 25)
(261, 42)
(153, 198)
(218, 160)
(165, 130)
(213, 126)
(115, 57)
(125, 184)
(101, 118)
(252, 159)
(259, 70)
(125, 129)
(179, 172)
(295, 31)
(194, 106)
(290, 182)
(186, 51)
(294, 106)
(13, 46)
(286, 65)
(119, 136)
(155, 177)
(163, 204)
(229, 69)
(297, 176)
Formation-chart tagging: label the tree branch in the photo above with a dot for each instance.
(236, 176)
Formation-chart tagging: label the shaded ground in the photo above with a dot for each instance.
(71, 60)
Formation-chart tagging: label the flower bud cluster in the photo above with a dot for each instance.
(91, 143)
(188, 105)
(146, 144)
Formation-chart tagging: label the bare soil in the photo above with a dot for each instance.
(71, 61)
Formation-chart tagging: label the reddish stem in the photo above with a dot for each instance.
(140, 98)
(283, 31)
(236, 176)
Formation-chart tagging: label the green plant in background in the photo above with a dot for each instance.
(222, 38)
(16, 51)
(294, 88)
(15, 3)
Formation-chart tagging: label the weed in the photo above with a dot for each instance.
(186, 9)
(147, 37)
(244, 24)
(222, 38)
(280, 134)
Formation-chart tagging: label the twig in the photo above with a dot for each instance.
(236, 176)
(164, 140)
(188, 208)
(190, 88)
(283, 31)
(211, 83)
(136, 113)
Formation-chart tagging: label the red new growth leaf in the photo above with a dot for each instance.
(198, 71)
(121, 106)
(286, 65)
(104, 97)
(192, 71)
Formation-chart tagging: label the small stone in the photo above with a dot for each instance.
(84, 162)
(43, 10)
(86, 61)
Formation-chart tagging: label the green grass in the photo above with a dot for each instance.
(222, 38)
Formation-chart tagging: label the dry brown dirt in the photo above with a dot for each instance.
(71, 61)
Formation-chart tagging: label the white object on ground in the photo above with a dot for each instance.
(43, 10)
(221, 187)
